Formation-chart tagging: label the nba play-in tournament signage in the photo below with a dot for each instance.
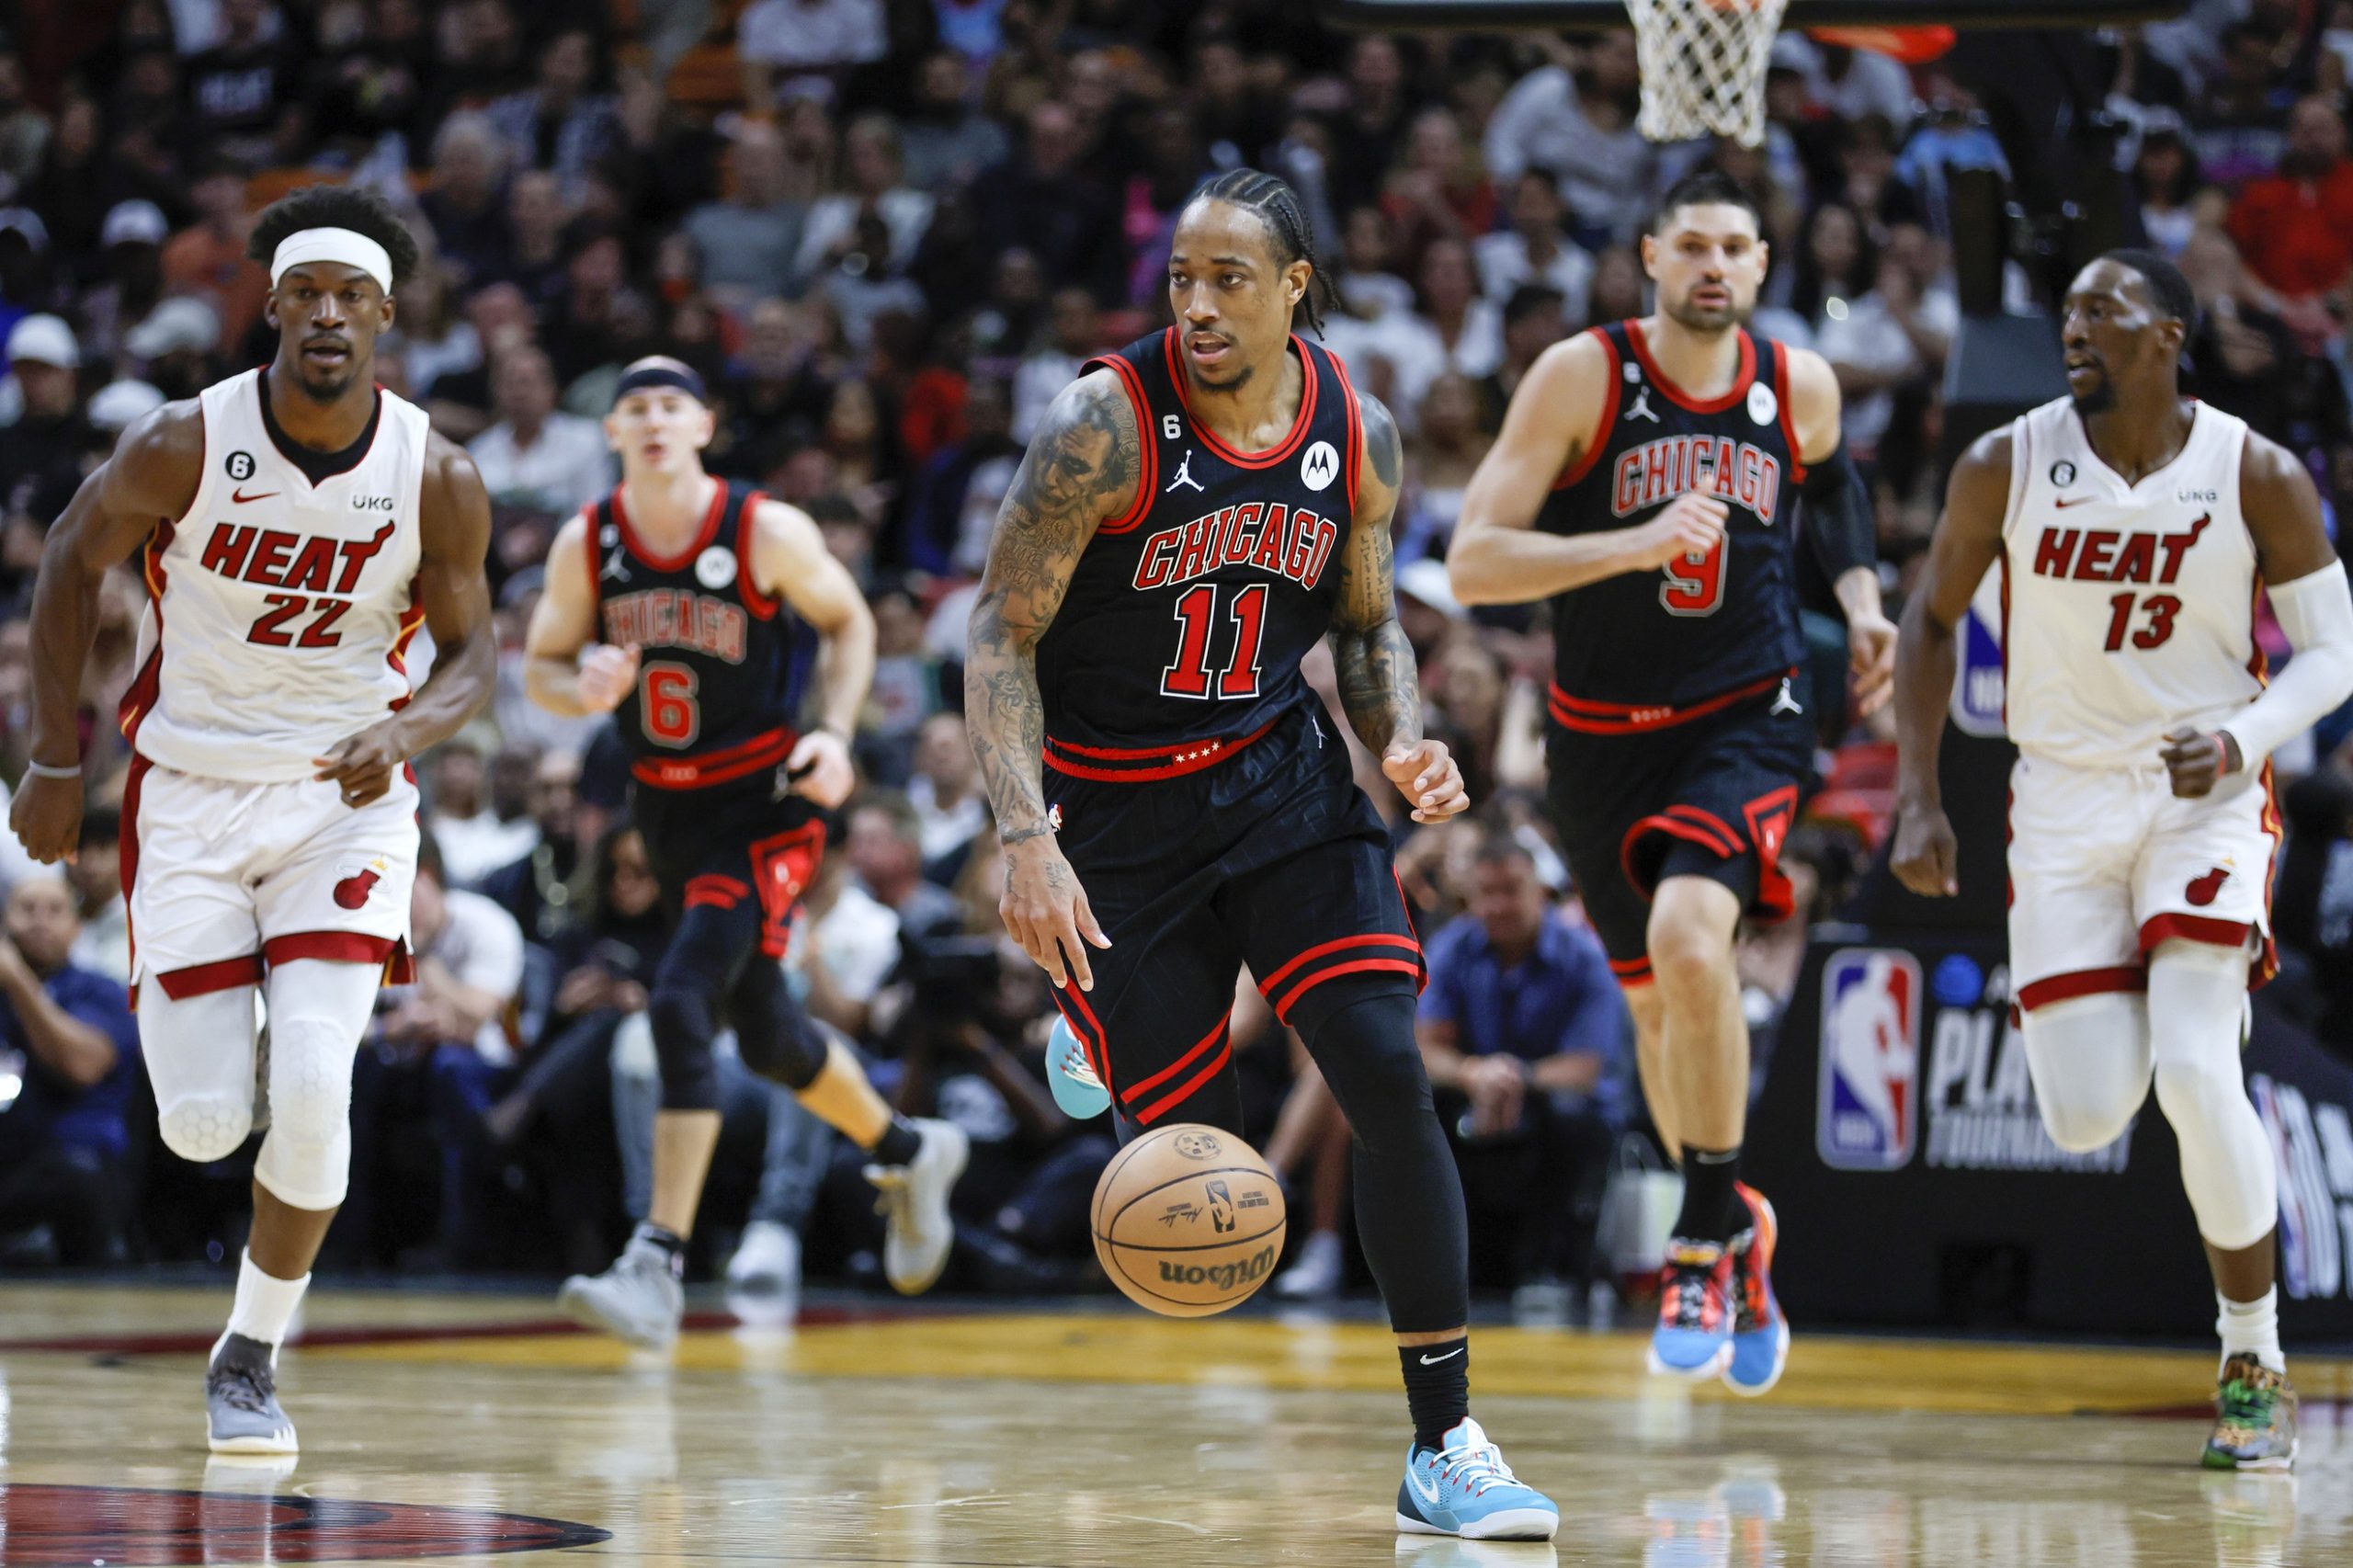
(1882, 1072)
(1897, 1132)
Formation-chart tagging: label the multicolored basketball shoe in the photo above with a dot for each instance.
(1760, 1334)
(1694, 1334)
(1465, 1489)
(2255, 1418)
(1072, 1077)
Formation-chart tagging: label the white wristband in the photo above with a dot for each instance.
(42, 770)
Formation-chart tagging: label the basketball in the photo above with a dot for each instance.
(1187, 1220)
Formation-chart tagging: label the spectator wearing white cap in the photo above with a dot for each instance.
(40, 451)
(132, 237)
(175, 344)
(118, 405)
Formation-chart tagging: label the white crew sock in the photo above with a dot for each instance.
(265, 1304)
(2252, 1328)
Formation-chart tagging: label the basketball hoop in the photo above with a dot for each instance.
(1703, 66)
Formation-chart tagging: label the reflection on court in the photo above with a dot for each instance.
(1105, 1438)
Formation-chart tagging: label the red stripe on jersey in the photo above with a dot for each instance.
(1601, 432)
(685, 558)
(748, 579)
(1147, 439)
(1742, 376)
(1272, 455)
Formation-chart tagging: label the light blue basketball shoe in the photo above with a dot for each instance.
(1076, 1088)
(1465, 1489)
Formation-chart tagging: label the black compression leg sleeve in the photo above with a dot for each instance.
(705, 955)
(1409, 1196)
(775, 1035)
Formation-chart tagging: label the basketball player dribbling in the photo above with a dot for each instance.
(2134, 529)
(671, 605)
(1646, 481)
(1193, 514)
(296, 524)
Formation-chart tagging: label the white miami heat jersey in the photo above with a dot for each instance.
(278, 611)
(2128, 609)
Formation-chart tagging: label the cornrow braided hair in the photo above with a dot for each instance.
(1278, 208)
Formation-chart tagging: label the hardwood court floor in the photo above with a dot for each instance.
(1102, 1439)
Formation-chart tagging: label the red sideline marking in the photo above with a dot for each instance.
(180, 1344)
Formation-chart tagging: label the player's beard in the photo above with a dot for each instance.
(330, 388)
(2100, 400)
(1708, 322)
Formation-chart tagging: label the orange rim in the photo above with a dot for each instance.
(1913, 46)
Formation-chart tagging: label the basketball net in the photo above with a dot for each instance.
(1703, 66)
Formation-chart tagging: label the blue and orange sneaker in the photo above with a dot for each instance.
(1760, 1334)
(1694, 1334)
(1465, 1489)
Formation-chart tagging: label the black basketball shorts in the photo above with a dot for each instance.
(1712, 796)
(734, 846)
(1271, 857)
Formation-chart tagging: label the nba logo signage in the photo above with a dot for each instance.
(1867, 1114)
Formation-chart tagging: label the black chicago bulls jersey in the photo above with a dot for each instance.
(712, 701)
(1700, 627)
(1187, 618)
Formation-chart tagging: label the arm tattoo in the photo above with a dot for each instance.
(1080, 468)
(1380, 687)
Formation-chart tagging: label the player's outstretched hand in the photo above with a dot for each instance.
(1926, 853)
(1870, 656)
(820, 768)
(363, 764)
(1045, 910)
(46, 818)
(2198, 760)
(1427, 775)
(606, 674)
(1691, 524)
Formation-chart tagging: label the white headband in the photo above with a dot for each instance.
(345, 246)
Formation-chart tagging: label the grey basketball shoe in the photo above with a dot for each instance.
(639, 1298)
(240, 1399)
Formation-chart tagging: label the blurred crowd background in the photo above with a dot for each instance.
(887, 232)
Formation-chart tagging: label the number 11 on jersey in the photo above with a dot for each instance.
(1189, 674)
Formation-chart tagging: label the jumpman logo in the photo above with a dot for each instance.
(1641, 409)
(1185, 475)
(1784, 703)
(615, 565)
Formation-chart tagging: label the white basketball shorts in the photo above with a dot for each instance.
(223, 877)
(2106, 863)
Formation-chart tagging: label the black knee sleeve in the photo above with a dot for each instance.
(776, 1037)
(683, 1025)
(1409, 1195)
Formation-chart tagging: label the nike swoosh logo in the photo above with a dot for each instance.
(2066, 501)
(239, 497)
(1429, 1491)
(1434, 1360)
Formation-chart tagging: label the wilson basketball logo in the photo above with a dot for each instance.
(1221, 1276)
(1868, 1112)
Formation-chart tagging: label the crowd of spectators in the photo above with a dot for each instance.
(886, 232)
